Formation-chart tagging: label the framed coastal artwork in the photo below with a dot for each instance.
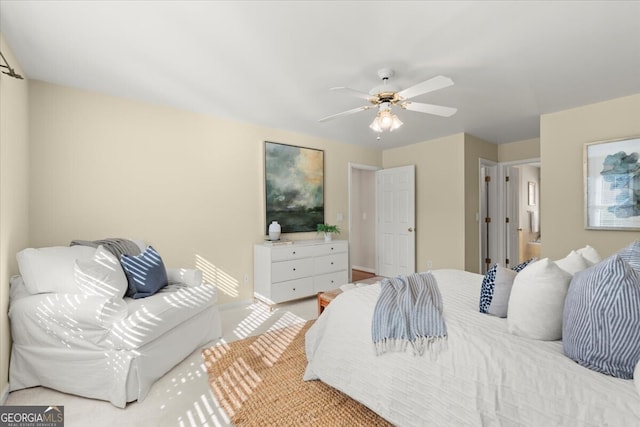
(294, 187)
(612, 184)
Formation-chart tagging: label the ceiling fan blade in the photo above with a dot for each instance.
(346, 113)
(438, 82)
(352, 92)
(437, 110)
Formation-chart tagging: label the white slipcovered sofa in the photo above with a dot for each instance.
(73, 330)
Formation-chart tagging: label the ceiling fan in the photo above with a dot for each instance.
(386, 95)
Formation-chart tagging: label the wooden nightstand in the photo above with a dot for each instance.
(325, 298)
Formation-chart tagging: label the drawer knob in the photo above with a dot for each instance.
(294, 269)
(294, 252)
(294, 289)
(331, 262)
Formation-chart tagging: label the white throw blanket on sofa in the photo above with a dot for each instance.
(408, 312)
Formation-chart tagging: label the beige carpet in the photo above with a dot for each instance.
(258, 382)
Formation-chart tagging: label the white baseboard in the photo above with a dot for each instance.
(4, 395)
(365, 269)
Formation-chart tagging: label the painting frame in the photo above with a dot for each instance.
(293, 187)
(611, 171)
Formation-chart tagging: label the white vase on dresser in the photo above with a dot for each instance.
(274, 230)
(304, 268)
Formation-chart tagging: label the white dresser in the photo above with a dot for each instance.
(304, 268)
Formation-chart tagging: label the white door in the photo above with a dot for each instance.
(396, 242)
(512, 220)
(489, 217)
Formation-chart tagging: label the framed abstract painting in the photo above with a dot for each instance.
(612, 184)
(294, 187)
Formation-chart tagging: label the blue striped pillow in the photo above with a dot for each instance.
(631, 254)
(601, 319)
(146, 273)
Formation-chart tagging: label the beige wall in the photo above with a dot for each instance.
(440, 214)
(562, 138)
(447, 191)
(14, 179)
(519, 150)
(189, 184)
(474, 150)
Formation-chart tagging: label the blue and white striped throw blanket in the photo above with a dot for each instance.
(409, 311)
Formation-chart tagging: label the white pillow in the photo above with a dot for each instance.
(590, 254)
(502, 291)
(101, 276)
(536, 303)
(50, 269)
(187, 276)
(573, 263)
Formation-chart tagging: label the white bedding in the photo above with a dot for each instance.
(486, 376)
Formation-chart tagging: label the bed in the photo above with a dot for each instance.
(485, 377)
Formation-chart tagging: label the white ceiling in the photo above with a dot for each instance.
(272, 62)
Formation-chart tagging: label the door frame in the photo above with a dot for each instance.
(485, 163)
(500, 198)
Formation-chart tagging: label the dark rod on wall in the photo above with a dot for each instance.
(11, 72)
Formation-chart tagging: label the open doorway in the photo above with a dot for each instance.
(529, 233)
(509, 212)
(362, 220)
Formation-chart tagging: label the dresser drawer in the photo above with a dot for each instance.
(291, 252)
(327, 282)
(289, 270)
(329, 263)
(292, 289)
(331, 248)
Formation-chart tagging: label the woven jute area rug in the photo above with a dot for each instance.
(258, 382)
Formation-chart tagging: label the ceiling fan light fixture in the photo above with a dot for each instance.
(385, 96)
(385, 120)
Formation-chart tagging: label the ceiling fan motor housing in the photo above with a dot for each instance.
(384, 92)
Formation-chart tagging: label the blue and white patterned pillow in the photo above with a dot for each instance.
(486, 291)
(518, 268)
(496, 288)
(601, 319)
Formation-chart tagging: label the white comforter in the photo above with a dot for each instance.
(486, 376)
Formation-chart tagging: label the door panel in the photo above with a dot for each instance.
(513, 213)
(396, 223)
(489, 218)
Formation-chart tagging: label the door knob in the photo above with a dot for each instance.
(410, 229)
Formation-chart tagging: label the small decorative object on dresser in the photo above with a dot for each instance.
(274, 230)
(328, 231)
(302, 269)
